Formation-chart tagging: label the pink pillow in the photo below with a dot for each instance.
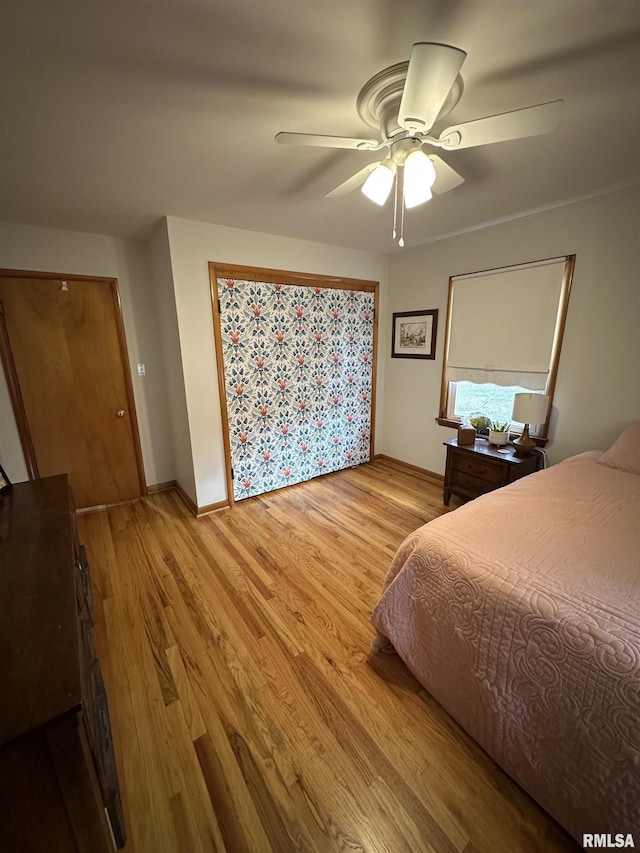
(624, 453)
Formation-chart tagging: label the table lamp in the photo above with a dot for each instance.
(528, 409)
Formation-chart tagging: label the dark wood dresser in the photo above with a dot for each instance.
(474, 469)
(58, 781)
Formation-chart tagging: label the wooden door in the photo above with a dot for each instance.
(64, 344)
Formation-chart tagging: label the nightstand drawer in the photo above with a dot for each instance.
(481, 468)
(470, 484)
(477, 467)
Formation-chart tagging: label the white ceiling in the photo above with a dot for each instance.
(117, 113)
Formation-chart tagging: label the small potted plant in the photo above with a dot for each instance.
(499, 432)
(481, 424)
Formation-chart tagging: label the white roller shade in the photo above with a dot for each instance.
(503, 324)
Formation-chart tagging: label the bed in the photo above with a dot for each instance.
(520, 613)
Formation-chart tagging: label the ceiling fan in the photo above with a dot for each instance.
(403, 103)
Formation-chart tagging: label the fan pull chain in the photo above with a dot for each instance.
(400, 202)
(395, 207)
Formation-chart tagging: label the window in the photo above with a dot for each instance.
(494, 401)
(503, 336)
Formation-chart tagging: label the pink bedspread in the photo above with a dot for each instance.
(520, 613)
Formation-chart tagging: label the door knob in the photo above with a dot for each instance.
(120, 413)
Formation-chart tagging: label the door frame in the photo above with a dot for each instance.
(263, 274)
(6, 357)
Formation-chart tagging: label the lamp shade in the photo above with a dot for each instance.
(419, 175)
(530, 408)
(378, 185)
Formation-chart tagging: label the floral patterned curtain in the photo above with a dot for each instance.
(298, 379)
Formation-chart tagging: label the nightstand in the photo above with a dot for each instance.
(474, 469)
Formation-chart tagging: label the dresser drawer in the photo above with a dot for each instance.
(104, 757)
(87, 650)
(83, 585)
(470, 485)
(478, 467)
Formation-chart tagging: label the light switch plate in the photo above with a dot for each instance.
(142, 370)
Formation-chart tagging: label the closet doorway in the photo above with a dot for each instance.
(64, 355)
(296, 359)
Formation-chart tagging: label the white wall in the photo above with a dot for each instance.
(192, 246)
(598, 390)
(48, 250)
(160, 261)
(164, 287)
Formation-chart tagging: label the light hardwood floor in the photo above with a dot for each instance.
(247, 711)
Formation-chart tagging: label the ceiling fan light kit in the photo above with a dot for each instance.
(403, 103)
(378, 185)
(419, 177)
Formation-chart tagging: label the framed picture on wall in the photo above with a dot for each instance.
(414, 334)
(4, 481)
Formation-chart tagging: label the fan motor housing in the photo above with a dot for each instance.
(379, 99)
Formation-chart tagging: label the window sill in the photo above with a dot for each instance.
(449, 422)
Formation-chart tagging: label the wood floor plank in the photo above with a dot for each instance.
(193, 717)
(194, 818)
(248, 711)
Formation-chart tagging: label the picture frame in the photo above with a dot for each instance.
(5, 482)
(414, 334)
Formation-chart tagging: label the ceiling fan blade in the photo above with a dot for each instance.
(353, 182)
(446, 177)
(430, 75)
(315, 139)
(531, 121)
